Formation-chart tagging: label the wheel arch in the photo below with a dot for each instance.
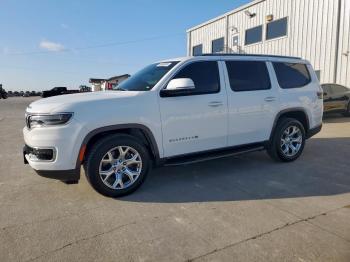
(142, 132)
(298, 113)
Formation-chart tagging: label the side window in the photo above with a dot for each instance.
(277, 28)
(253, 35)
(291, 75)
(338, 89)
(248, 75)
(197, 50)
(205, 76)
(217, 46)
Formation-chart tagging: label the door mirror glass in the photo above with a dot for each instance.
(181, 84)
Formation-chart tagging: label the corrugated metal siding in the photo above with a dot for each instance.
(343, 69)
(311, 35)
(205, 35)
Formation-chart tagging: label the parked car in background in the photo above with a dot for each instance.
(56, 91)
(336, 99)
(3, 93)
(84, 88)
(174, 112)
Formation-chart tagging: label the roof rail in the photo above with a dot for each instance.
(258, 55)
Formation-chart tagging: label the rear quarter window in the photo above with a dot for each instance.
(292, 75)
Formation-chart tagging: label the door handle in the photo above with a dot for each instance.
(215, 103)
(270, 99)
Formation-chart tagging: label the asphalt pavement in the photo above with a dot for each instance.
(244, 208)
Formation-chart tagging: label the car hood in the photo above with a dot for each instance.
(63, 103)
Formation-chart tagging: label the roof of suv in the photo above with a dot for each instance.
(249, 56)
(253, 55)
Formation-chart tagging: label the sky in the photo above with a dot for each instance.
(48, 43)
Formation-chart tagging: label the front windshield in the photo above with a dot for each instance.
(147, 78)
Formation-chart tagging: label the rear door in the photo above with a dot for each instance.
(196, 121)
(252, 101)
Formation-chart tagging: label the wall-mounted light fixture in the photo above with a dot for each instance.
(269, 18)
(234, 30)
(249, 14)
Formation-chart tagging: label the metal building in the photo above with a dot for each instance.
(317, 30)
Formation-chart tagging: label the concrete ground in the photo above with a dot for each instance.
(245, 208)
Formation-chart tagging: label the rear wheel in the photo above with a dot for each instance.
(117, 165)
(288, 140)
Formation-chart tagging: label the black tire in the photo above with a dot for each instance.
(347, 112)
(99, 150)
(274, 149)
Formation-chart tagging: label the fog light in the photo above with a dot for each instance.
(44, 154)
(41, 154)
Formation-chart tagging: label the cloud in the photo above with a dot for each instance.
(51, 46)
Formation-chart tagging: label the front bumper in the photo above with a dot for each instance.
(63, 175)
(64, 141)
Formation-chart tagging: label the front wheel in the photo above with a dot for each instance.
(117, 165)
(288, 140)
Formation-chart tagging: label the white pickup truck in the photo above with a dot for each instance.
(173, 112)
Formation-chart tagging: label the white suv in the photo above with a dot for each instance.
(173, 112)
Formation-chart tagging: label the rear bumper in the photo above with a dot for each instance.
(313, 131)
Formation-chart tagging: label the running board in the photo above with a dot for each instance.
(210, 155)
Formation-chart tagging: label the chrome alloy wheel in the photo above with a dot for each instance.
(291, 141)
(120, 167)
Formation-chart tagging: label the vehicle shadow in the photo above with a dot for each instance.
(253, 176)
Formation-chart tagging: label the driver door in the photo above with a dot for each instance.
(197, 120)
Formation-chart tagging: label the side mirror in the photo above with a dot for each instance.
(178, 87)
(180, 84)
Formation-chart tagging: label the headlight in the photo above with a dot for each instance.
(33, 121)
